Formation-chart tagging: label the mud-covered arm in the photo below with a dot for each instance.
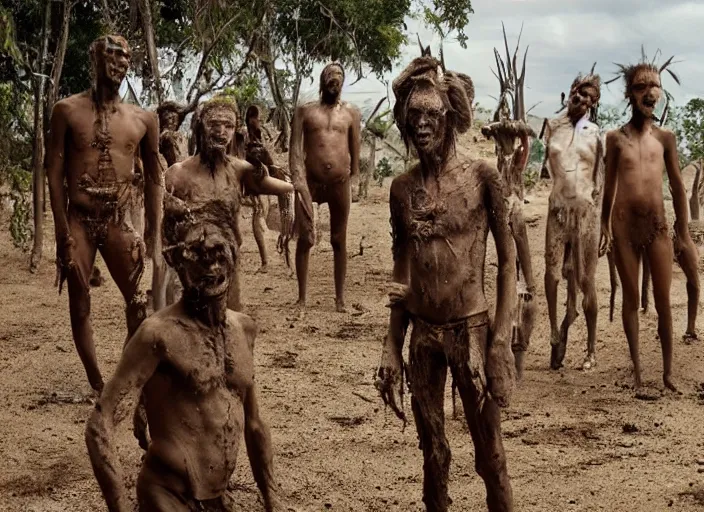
(258, 439)
(546, 158)
(679, 193)
(505, 250)
(398, 321)
(256, 180)
(153, 183)
(355, 140)
(598, 164)
(118, 401)
(295, 150)
(610, 179)
(56, 172)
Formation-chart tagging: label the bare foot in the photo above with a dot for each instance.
(299, 310)
(557, 353)
(669, 384)
(340, 306)
(690, 337)
(519, 356)
(589, 362)
(263, 269)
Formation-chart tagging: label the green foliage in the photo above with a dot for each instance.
(611, 117)
(354, 32)
(688, 124)
(382, 170)
(246, 93)
(446, 16)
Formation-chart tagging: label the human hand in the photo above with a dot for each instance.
(389, 379)
(606, 240)
(500, 368)
(398, 293)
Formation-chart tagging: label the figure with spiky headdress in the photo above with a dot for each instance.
(633, 219)
(213, 173)
(574, 157)
(442, 210)
(512, 136)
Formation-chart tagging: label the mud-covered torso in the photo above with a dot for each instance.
(192, 182)
(445, 227)
(572, 157)
(639, 178)
(326, 132)
(195, 400)
(100, 150)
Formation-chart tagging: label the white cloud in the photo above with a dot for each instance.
(564, 38)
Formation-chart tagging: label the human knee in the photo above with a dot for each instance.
(338, 239)
(79, 306)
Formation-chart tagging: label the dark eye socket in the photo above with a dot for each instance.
(639, 87)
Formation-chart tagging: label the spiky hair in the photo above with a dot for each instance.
(629, 72)
(590, 79)
(453, 87)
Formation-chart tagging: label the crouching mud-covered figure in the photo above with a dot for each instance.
(442, 210)
(193, 362)
(575, 162)
(633, 212)
(213, 174)
(324, 155)
(92, 147)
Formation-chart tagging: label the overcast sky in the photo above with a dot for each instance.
(565, 37)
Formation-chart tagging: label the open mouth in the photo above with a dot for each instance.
(649, 103)
(423, 138)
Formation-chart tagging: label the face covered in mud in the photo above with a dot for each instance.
(645, 91)
(169, 120)
(205, 261)
(219, 125)
(582, 99)
(331, 80)
(111, 59)
(426, 119)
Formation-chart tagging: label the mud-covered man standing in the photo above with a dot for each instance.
(91, 159)
(442, 210)
(324, 155)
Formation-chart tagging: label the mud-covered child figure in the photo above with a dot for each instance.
(92, 147)
(633, 213)
(575, 156)
(442, 210)
(323, 156)
(213, 174)
(173, 144)
(193, 362)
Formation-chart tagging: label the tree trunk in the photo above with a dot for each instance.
(283, 117)
(154, 83)
(38, 143)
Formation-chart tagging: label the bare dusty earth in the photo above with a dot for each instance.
(574, 440)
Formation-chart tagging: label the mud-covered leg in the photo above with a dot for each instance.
(590, 307)
(79, 302)
(688, 259)
(234, 301)
(428, 372)
(627, 263)
(153, 496)
(645, 285)
(258, 217)
(554, 257)
(525, 328)
(489, 455)
(558, 352)
(660, 256)
(613, 280)
(339, 213)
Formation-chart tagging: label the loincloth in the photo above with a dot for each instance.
(642, 227)
(152, 486)
(97, 223)
(462, 342)
(578, 231)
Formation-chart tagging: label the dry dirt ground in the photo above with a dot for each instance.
(575, 440)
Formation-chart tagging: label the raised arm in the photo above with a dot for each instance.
(355, 140)
(610, 185)
(679, 192)
(56, 172)
(117, 401)
(256, 180)
(500, 366)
